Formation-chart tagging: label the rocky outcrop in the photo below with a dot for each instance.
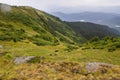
(95, 66)
(19, 60)
(1, 47)
(5, 7)
(28, 59)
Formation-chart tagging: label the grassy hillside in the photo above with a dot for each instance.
(90, 30)
(109, 43)
(26, 23)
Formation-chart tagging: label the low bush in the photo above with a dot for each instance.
(111, 49)
(70, 48)
(94, 39)
(98, 47)
(42, 40)
(36, 59)
(84, 48)
(10, 33)
(8, 56)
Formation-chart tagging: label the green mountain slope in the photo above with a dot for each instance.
(26, 23)
(21, 28)
(90, 30)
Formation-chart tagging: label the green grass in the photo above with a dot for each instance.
(27, 48)
(24, 26)
(78, 55)
(54, 57)
(89, 55)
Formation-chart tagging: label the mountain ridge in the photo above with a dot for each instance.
(110, 19)
(90, 30)
(37, 26)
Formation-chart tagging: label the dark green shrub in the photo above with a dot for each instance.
(111, 49)
(20, 17)
(94, 39)
(109, 38)
(41, 42)
(8, 56)
(56, 50)
(36, 59)
(117, 45)
(98, 47)
(84, 48)
(80, 45)
(44, 39)
(10, 33)
(70, 48)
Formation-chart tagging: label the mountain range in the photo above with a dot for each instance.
(109, 19)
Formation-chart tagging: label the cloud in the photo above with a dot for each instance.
(63, 2)
(48, 5)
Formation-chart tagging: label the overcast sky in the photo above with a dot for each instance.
(68, 5)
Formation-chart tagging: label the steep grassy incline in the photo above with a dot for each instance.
(26, 23)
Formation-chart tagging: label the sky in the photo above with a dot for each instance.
(68, 6)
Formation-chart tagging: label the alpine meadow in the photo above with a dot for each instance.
(40, 45)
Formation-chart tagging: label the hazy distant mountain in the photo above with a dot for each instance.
(79, 9)
(110, 19)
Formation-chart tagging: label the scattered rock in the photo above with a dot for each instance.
(56, 50)
(1, 47)
(5, 7)
(50, 54)
(19, 60)
(95, 66)
(42, 57)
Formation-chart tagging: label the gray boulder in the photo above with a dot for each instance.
(5, 7)
(19, 60)
(94, 66)
(1, 47)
